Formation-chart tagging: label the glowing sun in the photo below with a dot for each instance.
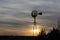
(36, 30)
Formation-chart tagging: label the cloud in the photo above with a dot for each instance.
(22, 8)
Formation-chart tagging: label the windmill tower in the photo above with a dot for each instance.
(34, 15)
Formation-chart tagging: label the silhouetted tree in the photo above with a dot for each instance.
(53, 35)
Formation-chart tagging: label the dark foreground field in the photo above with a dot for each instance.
(28, 38)
(54, 35)
(18, 38)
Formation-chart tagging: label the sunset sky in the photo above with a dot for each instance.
(15, 15)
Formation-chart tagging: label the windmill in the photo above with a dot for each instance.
(34, 15)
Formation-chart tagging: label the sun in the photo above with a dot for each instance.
(36, 30)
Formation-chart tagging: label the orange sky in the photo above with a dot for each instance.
(19, 31)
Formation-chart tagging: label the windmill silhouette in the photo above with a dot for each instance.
(34, 15)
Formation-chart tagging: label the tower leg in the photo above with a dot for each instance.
(34, 25)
